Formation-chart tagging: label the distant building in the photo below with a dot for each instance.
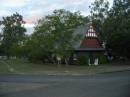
(90, 50)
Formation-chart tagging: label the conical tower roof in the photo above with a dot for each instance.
(91, 39)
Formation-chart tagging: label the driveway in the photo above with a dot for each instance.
(116, 84)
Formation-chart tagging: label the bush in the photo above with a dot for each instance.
(103, 59)
(83, 59)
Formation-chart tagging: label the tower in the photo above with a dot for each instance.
(91, 40)
(91, 48)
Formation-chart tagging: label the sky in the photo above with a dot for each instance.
(33, 10)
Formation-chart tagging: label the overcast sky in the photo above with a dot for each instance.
(32, 10)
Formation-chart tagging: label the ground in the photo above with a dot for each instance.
(25, 67)
(116, 84)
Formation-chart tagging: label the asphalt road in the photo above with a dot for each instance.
(116, 84)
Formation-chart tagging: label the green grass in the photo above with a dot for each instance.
(22, 66)
(17, 65)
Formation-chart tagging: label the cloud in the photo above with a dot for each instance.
(29, 25)
(4, 13)
(14, 3)
(32, 19)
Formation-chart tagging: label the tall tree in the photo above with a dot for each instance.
(13, 33)
(117, 28)
(99, 12)
(113, 24)
(55, 33)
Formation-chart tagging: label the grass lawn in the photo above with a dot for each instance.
(24, 67)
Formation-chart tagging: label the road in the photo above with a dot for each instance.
(116, 84)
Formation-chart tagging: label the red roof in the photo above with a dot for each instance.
(91, 40)
(90, 43)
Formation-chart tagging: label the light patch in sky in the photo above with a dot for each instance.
(14, 3)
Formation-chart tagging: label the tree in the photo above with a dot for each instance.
(113, 24)
(99, 12)
(55, 34)
(13, 33)
(117, 28)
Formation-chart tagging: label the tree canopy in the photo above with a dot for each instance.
(13, 33)
(115, 25)
(55, 33)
